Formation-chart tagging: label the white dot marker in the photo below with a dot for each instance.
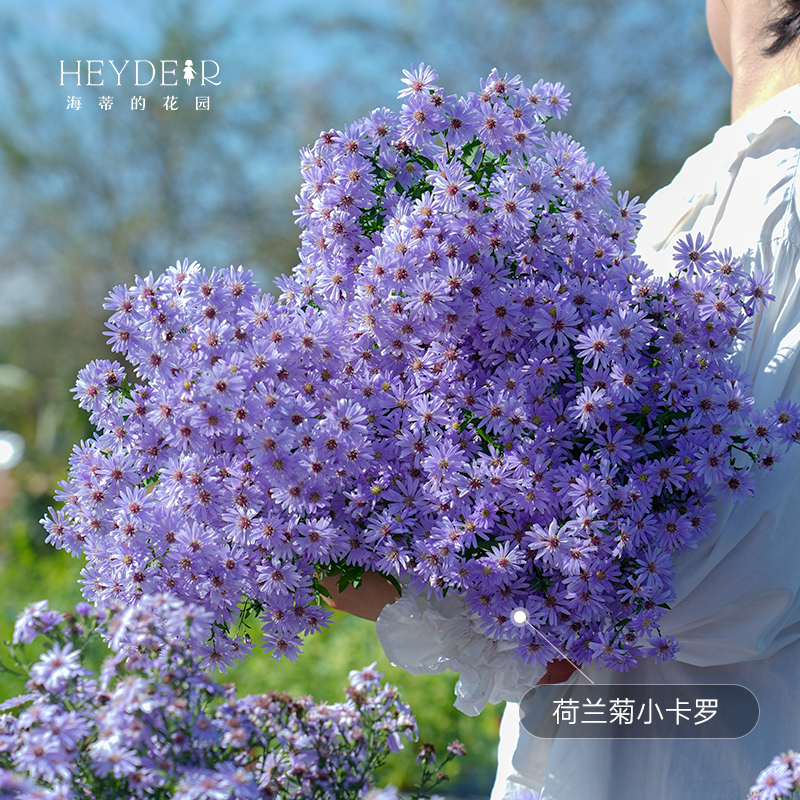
(520, 617)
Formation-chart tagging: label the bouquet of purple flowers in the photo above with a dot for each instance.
(469, 384)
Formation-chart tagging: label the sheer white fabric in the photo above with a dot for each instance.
(738, 610)
(431, 636)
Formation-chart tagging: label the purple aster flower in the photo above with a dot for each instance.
(283, 646)
(34, 621)
(41, 755)
(758, 286)
(450, 182)
(759, 430)
(109, 756)
(513, 203)
(588, 408)
(661, 648)
(556, 100)
(775, 781)
(367, 679)
(713, 465)
(57, 667)
(593, 345)
(692, 253)
(456, 748)
(787, 418)
(739, 486)
(418, 80)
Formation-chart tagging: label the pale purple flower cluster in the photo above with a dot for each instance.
(211, 478)
(469, 382)
(780, 779)
(152, 724)
(526, 794)
(391, 793)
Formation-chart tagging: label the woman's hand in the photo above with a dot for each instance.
(558, 671)
(367, 600)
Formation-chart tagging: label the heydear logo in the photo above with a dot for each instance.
(141, 72)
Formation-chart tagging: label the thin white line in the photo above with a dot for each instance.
(536, 630)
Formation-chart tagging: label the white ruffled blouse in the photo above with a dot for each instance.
(737, 615)
(431, 636)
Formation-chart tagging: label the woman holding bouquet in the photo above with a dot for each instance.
(737, 613)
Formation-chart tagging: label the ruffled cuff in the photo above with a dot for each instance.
(429, 636)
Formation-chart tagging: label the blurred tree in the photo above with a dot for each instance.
(107, 194)
(100, 195)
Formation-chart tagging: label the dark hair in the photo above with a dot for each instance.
(785, 28)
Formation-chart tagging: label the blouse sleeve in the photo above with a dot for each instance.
(429, 636)
(739, 590)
